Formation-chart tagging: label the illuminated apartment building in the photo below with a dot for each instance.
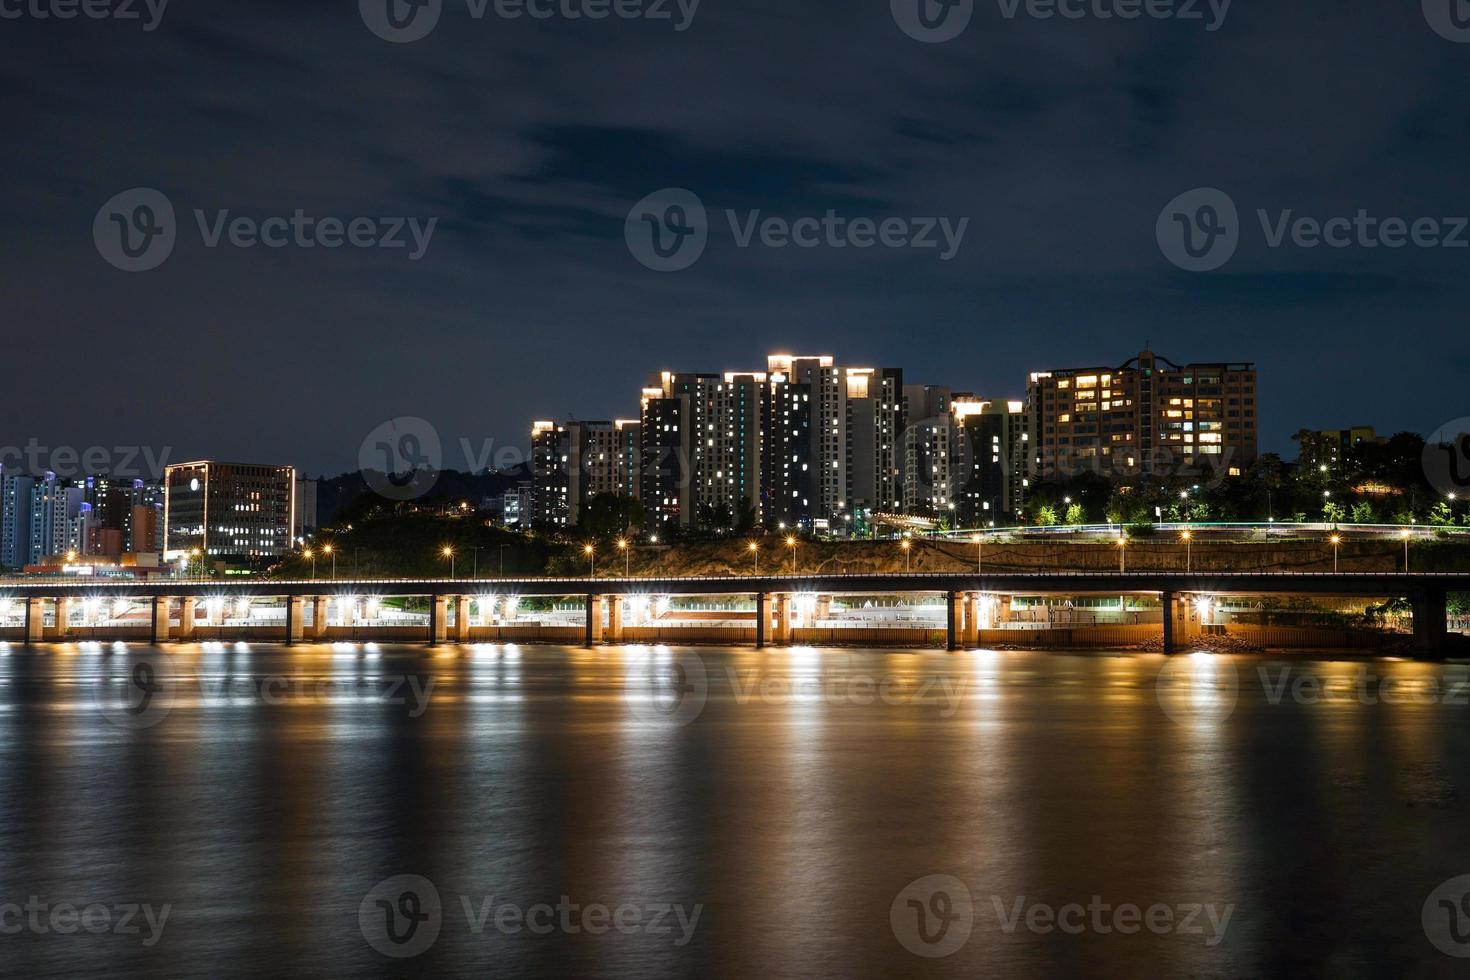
(995, 449)
(928, 451)
(235, 512)
(573, 462)
(874, 431)
(1148, 416)
(701, 437)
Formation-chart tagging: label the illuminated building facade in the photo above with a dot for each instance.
(238, 513)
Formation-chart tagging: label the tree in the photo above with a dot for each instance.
(1333, 512)
(1075, 516)
(1363, 513)
(1046, 516)
(608, 515)
(1441, 516)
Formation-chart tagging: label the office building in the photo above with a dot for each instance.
(236, 513)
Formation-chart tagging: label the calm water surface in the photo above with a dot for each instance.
(631, 812)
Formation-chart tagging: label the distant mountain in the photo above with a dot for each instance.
(335, 493)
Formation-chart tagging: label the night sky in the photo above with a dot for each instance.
(1061, 141)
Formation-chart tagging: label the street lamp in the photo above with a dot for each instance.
(1122, 553)
(979, 540)
(791, 543)
(329, 550)
(591, 554)
(308, 553)
(448, 552)
(755, 555)
(623, 547)
(1336, 540)
(1188, 539)
(1405, 535)
(906, 544)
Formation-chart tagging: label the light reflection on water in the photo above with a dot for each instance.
(805, 790)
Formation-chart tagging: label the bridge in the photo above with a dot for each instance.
(964, 596)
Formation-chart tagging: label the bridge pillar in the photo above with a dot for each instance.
(319, 615)
(824, 609)
(951, 620)
(762, 620)
(461, 619)
(63, 617)
(295, 619)
(158, 620)
(615, 619)
(1168, 601)
(781, 634)
(1003, 611)
(188, 605)
(972, 620)
(1431, 629)
(438, 619)
(35, 622)
(593, 634)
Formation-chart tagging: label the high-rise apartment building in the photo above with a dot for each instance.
(15, 519)
(994, 448)
(1149, 415)
(928, 450)
(874, 428)
(235, 512)
(573, 462)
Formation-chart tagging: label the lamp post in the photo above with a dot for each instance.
(502, 561)
(791, 543)
(308, 553)
(448, 552)
(906, 545)
(755, 555)
(1336, 540)
(979, 540)
(1122, 553)
(329, 550)
(1188, 552)
(591, 554)
(623, 547)
(1405, 535)
(475, 567)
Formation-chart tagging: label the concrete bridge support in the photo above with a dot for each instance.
(593, 635)
(762, 620)
(438, 620)
(615, 619)
(62, 616)
(823, 610)
(1170, 603)
(158, 628)
(35, 622)
(295, 619)
(972, 620)
(188, 605)
(1431, 627)
(952, 601)
(320, 611)
(781, 631)
(461, 619)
